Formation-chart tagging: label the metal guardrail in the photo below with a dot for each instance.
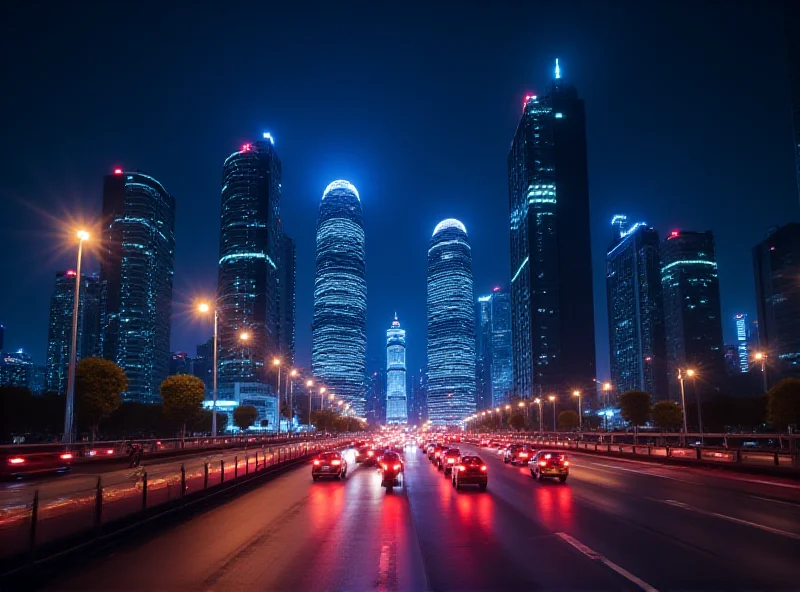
(55, 514)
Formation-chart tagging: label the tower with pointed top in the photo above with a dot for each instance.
(552, 306)
(396, 397)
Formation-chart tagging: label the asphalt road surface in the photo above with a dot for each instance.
(615, 525)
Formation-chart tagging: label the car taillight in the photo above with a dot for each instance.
(462, 468)
(371, 453)
(384, 467)
(523, 455)
(316, 463)
(16, 460)
(542, 463)
(110, 451)
(451, 461)
(566, 463)
(397, 467)
(483, 467)
(336, 462)
(66, 456)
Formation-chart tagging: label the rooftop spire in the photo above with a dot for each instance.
(558, 70)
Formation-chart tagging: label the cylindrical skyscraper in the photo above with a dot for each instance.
(339, 338)
(396, 408)
(451, 325)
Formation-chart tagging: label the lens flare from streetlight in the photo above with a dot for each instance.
(203, 307)
(606, 386)
(293, 372)
(276, 362)
(551, 398)
(244, 336)
(690, 372)
(83, 235)
(309, 383)
(576, 393)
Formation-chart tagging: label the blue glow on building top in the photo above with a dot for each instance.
(339, 334)
(451, 325)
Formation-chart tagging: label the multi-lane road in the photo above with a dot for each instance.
(615, 525)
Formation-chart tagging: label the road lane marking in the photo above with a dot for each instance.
(763, 527)
(595, 556)
(591, 467)
(775, 501)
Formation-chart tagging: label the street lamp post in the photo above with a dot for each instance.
(277, 362)
(683, 404)
(552, 399)
(693, 375)
(762, 357)
(69, 410)
(606, 390)
(538, 401)
(292, 376)
(577, 393)
(203, 307)
(309, 384)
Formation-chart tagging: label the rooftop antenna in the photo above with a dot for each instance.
(558, 70)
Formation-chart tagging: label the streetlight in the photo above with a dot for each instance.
(577, 393)
(309, 384)
(762, 357)
(292, 375)
(69, 410)
(552, 399)
(538, 401)
(693, 375)
(683, 404)
(277, 362)
(204, 308)
(606, 390)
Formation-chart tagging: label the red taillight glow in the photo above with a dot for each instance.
(542, 463)
(316, 463)
(66, 456)
(523, 455)
(566, 463)
(110, 451)
(483, 468)
(336, 462)
(371, 453)
(397, 467)
(451, 461)
(384, 467)
(17, 460)
(462, 468)
(117, 171)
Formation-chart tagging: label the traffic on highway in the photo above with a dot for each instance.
(409, 511)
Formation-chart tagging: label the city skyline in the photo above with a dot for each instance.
(195, 259)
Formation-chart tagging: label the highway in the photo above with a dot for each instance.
(615, 525)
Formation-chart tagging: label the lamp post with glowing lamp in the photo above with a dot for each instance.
(606, 390)
(762, 358)
(292, 376)
(69, 409)
(309, 385)
(538, 401)
(577, 393)
(204, 308)
(683, 403)
(552, 399)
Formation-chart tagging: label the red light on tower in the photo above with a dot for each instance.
(72, 273)
(496, 289)
(674, 233)
(246, 148)
(117, 171)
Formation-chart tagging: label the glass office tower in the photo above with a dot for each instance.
(396, 396)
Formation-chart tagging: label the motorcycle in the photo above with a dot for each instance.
(135, 454)
(390, 473)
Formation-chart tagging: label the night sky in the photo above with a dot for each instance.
(687, 107)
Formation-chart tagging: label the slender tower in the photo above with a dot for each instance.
(396, 398)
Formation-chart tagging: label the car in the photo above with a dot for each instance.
(550, 464)
(16, 463)
(450, 459)
(471, 470)
(329, 464)
(438, 460)
(518, 453)
(435, 452)
(366, 456)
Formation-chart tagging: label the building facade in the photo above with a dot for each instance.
(494, 349)
(451, 325)
(59, 330)
(339, 332)
(791, 23)
(742, 339)
(552, 304)
(635, 310)
(16, 369)
(249, 259)
(136, 272)
(692, 313)
(396, 395)
(776, 263)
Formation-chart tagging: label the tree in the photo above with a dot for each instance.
(634, 406)
(182, 399)
(568, 420)
(667, 415)
(244, 416)
(517, 421)
(783, 406)
(99, 385)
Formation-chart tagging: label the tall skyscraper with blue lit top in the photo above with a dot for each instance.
(249, 259)
(494, 348)
(552, 305)
(339, 333)
(136, 270)
(451, 325)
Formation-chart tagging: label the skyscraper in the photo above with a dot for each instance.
(339, 334)
(776, 261)
(692, 314)
(451, 325)
(635, 310)
(494, 348)
(286, 300)
(59, 333)
(483, 361)
(742, 353)
(552, 306)
(249, 258)
(136, 269)
(16, 369)
(792, 24)
(396, 396)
